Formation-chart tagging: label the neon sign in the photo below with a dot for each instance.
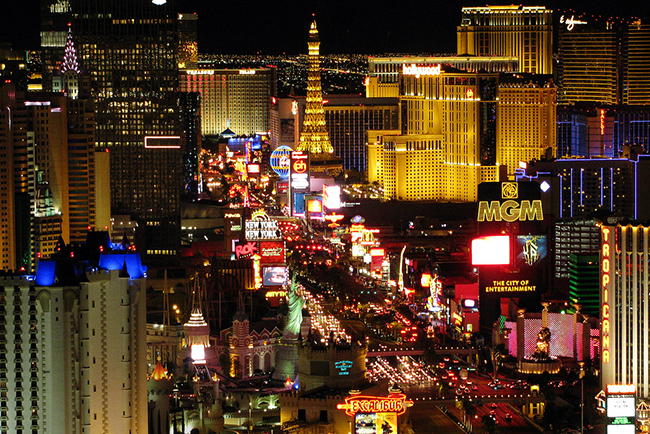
(570, 22)
(419, 71)
(395, 403)
(621, 389)
(602, 122)
(200, 72)
(245, 250)
(344, 367)
(510, 210)
(246, 72)
(606, 270)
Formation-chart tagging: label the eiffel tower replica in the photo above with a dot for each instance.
(314, 137)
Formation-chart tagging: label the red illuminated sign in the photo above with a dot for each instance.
(299, 171)
(425, 280)
(602, 122)
(621, 389)
(470, 93)
(245, 250)
(334, 217)
(491, 250)
(253, 168)
(606, 276)
(394, 403)
(272, 252)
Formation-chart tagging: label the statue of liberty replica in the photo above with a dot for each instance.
(286, 355)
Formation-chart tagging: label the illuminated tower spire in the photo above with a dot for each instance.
(70, 56)
(314, 136)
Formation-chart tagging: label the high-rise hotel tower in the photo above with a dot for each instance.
(130, 49)
(519, 31)
(603, 60)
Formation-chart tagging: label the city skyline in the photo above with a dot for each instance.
(348, 27)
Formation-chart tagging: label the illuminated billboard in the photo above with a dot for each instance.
(530, 249)
(274, 276)
(272, 252)
(315, 207)
(299, 171)
(606, 282)
(298, 204)
(509, 202)
(245, 250)
(375, 423)
(621, 406)
(621, 429)
(491, 250)
(262, 227)
(332, 196)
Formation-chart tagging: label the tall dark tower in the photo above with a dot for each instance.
(130, 49)
(314, 137)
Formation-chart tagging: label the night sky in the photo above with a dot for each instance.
(352, 26)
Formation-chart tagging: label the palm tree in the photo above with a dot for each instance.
(496, 353)
(489, 424)
(468, 409)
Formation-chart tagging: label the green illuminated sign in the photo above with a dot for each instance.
(622, 421)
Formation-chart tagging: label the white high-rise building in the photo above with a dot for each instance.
(73, 356)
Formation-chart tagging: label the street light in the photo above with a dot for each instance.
(582, 397)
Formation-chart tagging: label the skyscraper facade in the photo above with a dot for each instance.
(446, 142)
(348, 119)
(588, 63)
(636, 70)
(239, 100)
(130, 49)
(582, 187)
(189, 108)
(188, 47)
(604, 61)
(55, 18)
(525, 32)
(49, 186)
(526, 121)
(77, 358)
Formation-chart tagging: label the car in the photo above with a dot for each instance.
(459, 392)
(493, 405)
(474, 387)
(508, 417)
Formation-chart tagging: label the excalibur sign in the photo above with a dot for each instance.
(394, 403)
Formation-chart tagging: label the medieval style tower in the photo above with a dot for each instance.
(314, 137)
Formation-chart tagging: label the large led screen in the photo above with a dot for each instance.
(274, 276)
(491, 250)
(531, 249)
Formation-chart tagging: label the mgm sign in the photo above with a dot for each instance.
(510, 208)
